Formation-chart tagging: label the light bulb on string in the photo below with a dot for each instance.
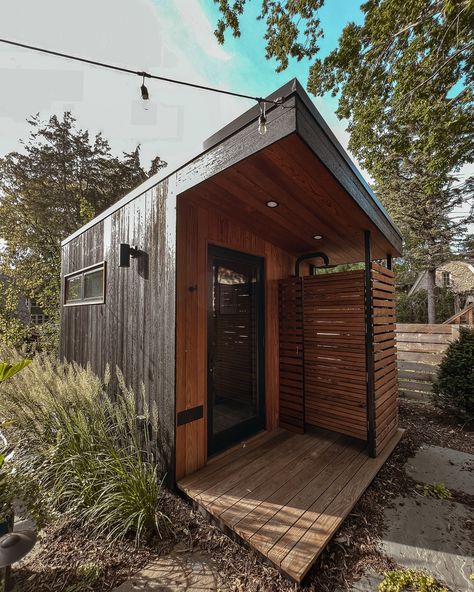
(262, 120)
(145, 93)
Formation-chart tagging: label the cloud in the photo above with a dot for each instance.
(195, 19)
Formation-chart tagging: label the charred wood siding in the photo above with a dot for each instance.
(134, 329)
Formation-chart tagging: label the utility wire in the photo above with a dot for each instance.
(141, 74)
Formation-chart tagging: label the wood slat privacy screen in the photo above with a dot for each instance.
(323, 365)
(291, 355)
(334, 352)
(385, 357)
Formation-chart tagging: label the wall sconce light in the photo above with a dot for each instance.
(126, 251)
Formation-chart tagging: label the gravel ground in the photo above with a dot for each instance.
(353, 551)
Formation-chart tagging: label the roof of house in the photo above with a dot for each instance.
(467, 263)
(327, 149)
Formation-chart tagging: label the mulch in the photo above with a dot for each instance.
(352, 551)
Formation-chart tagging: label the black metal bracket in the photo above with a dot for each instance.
(302, 258)
(127, 252)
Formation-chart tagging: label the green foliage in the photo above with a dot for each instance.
(413, 309)
(284, 22)
(9, 370)
(438, 490)
(410, 580)
(60, 179)
(454, 387)
(96, 457)
(89, 574)
(404, 79)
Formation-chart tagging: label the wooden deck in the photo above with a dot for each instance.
(286, 494)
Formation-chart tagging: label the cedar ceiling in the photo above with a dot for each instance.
(312, 202)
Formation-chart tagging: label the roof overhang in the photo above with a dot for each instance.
(299, 163)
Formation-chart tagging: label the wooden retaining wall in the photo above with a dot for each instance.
(420, 349)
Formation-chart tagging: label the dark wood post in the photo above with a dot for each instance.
(389, 261)
(369, 346)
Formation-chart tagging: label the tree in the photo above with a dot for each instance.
(59, 181)
(404, 81)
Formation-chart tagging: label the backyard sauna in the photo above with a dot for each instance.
(274, 375)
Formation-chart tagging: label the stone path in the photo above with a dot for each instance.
(176, 572)
(431, 534)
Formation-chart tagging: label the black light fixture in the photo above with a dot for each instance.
(127, 252)
(15, 545)
(144, 90)
(272, 204)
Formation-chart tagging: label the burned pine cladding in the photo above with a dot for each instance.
(154, 321)
(134, 328)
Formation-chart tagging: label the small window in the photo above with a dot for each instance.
(86, 286)
(447, 279)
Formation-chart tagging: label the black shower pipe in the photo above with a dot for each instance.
(302, 258)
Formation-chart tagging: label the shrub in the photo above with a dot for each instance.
(404, 580)
(454, 387)
(94, 454)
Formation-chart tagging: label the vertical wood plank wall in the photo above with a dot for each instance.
(385, 357)
(134, 328)
(291, 355)
(198, 227)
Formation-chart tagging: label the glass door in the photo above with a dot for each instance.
(235, 348)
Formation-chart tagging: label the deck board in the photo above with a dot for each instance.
(287, 494)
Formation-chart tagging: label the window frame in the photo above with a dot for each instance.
(102, 265)
(447, 279)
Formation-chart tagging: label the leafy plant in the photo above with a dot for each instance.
(400, 580)
(15, 486)
(95, 455)
(438, 490)
(454, 387)
(9, 370)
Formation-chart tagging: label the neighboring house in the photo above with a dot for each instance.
(196, 286)
(457, 275)
(37, 316)
(27, 310)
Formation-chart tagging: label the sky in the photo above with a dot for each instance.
(172, 38)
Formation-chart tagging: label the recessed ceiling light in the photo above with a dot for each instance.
(317, 237)
(272, 204)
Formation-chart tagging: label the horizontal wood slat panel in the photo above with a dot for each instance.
(420, 349)
(334, 352)
(385, 386)
(291, 415)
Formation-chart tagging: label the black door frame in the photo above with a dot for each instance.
(234, 435)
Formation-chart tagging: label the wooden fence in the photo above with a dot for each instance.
(420, 349)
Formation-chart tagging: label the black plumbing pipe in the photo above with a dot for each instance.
(302, 258)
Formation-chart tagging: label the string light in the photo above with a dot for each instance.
(144, 90)
(262, 120)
